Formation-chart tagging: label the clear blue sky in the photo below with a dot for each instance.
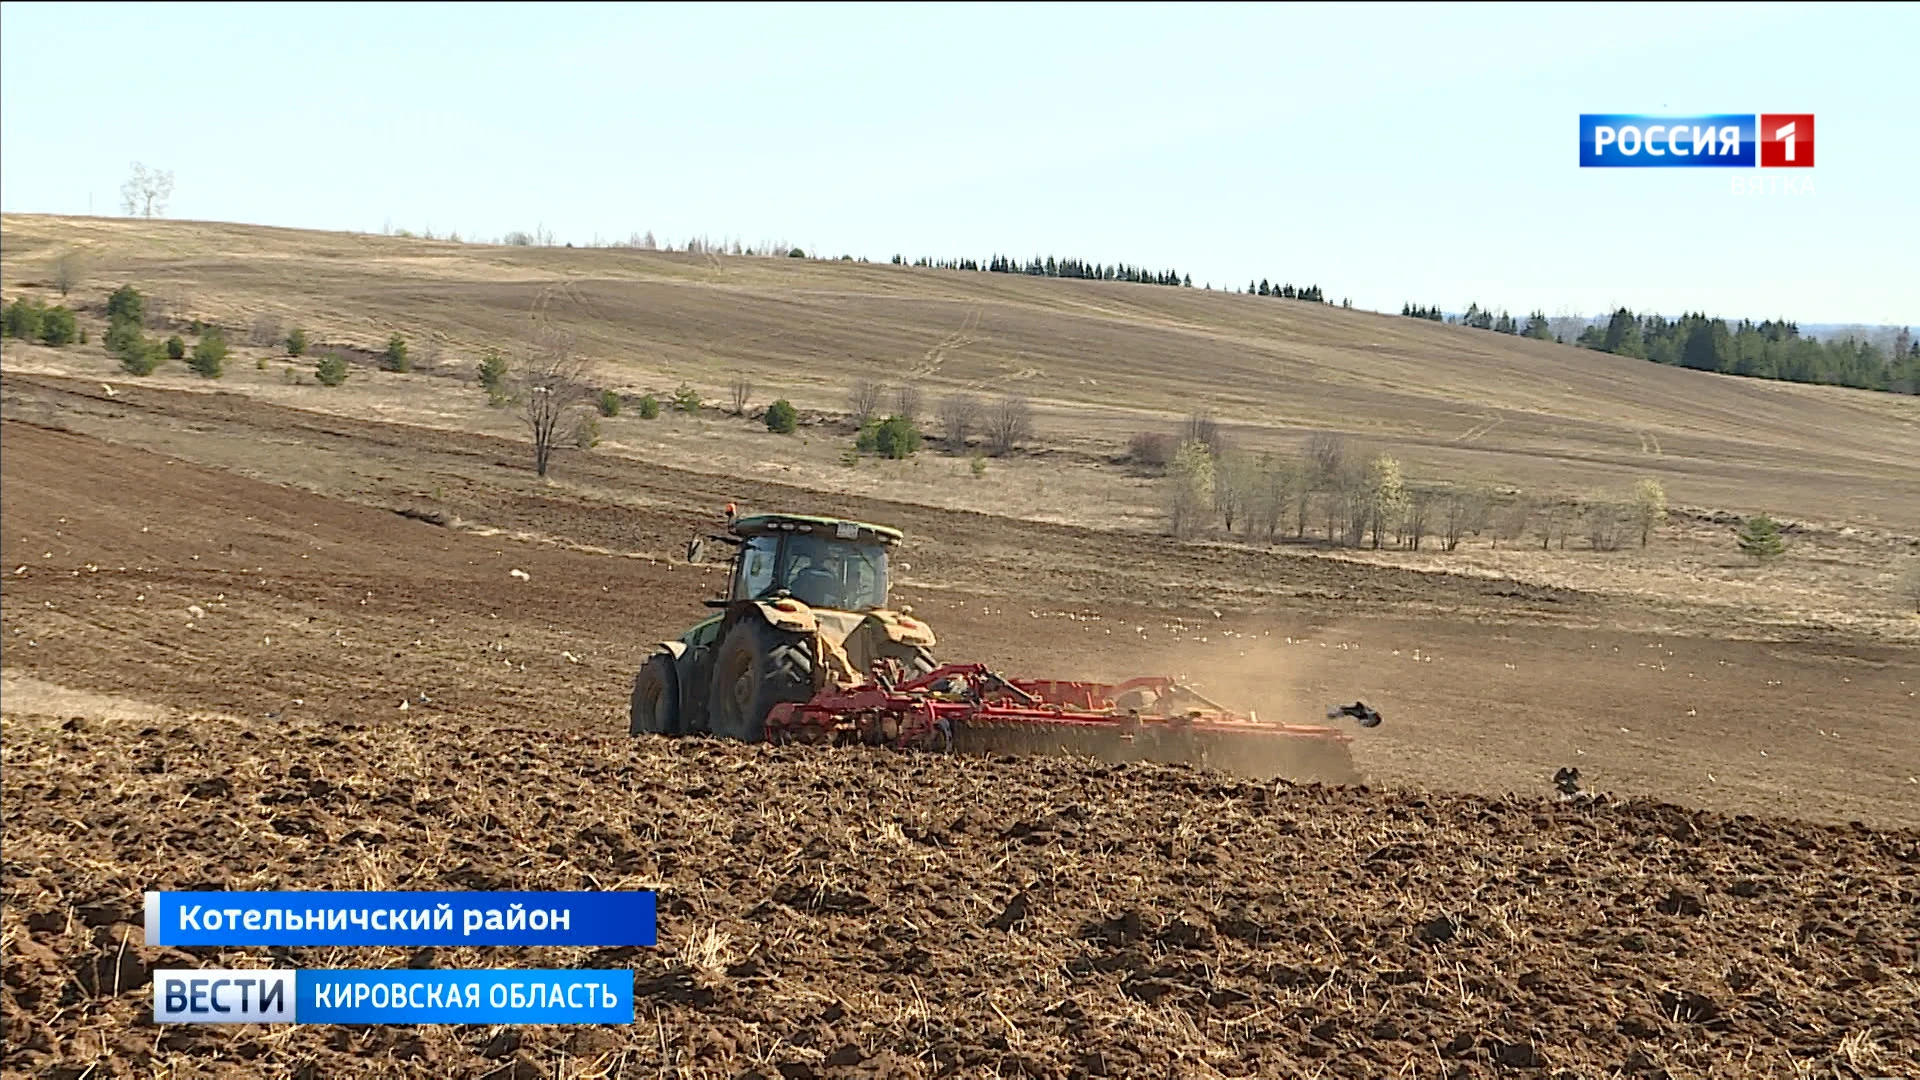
(1390, 154)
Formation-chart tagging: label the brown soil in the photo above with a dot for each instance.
(856, 913)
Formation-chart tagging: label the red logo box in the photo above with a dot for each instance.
(1786, 140)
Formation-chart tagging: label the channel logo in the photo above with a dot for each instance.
(1722, 140)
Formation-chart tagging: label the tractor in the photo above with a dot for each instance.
(804, 648)
(806, 608)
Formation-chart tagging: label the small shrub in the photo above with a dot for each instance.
(649, 407)
(209, 354)
(83, 335)
(492, 372)
(176, 348)
(796, 253)
(609, 403)
(395, 358)
(782, 417)
(896, 438)
(23, 319)
(586, 434)
(331, 370)
(262, 363)
(126, 305)
(57, 326)
(1152, 450)
(979, 466)
(686, 399)
(296, 342)
(1759, 539)
(138, 354)
(119, 334)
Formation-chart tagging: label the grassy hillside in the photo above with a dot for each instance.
(1100, 360)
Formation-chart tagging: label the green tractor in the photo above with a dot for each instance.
(806, 609)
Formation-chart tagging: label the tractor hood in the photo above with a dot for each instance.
(837, 626)
(904, 629)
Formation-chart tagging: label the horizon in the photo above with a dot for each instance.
(1215, 141)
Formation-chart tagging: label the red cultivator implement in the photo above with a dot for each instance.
(968, 708)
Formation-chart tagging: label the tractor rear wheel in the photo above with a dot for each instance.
(756, 668)
(656, 699)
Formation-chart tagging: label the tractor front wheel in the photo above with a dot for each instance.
(656, 699)
(756, 668)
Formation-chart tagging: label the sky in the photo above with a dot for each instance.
(1389, 154)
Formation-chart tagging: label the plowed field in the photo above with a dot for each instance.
(235, 578)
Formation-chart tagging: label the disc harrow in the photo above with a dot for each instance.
(971, 709)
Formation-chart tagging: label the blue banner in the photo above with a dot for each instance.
(1633, 141)
(404, 996)
(464, 997)
(400, 918)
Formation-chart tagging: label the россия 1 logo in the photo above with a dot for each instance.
(1729, 140)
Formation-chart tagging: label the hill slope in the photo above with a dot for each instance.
(1100, 359)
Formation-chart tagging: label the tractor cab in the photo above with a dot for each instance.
(821, 562)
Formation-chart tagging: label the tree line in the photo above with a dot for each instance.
(1335, 493)
(1771, 349)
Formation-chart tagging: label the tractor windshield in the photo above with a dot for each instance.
(818, 571)
(821, 572)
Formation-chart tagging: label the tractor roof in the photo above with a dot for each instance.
(757, 524)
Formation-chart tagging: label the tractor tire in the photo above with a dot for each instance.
(655, 709)
(756, 668)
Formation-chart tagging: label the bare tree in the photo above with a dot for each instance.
(907, 401)
(863, 400)
(1202, 428)
(160, 309)
(1514, 520)
(1325, 455)
(428, 354)
(552, 390)
(1550, 523)
(146, 192)
(1419, 517)
(1302, 498)
(1236, 488)
(266, 330)
(1279, 478)
(1567, 328)
(742, 391)
(1607, 525)
(68, 269)
(958, 415)
(1009, 424)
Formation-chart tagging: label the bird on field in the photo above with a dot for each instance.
(1366, 715)
(1567, 783)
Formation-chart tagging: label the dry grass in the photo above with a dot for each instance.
(1099, 360)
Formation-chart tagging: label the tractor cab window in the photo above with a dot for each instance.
(822, 572)
(757, 561)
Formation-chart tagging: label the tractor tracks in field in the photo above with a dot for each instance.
(1480, 430)
(931, 360)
